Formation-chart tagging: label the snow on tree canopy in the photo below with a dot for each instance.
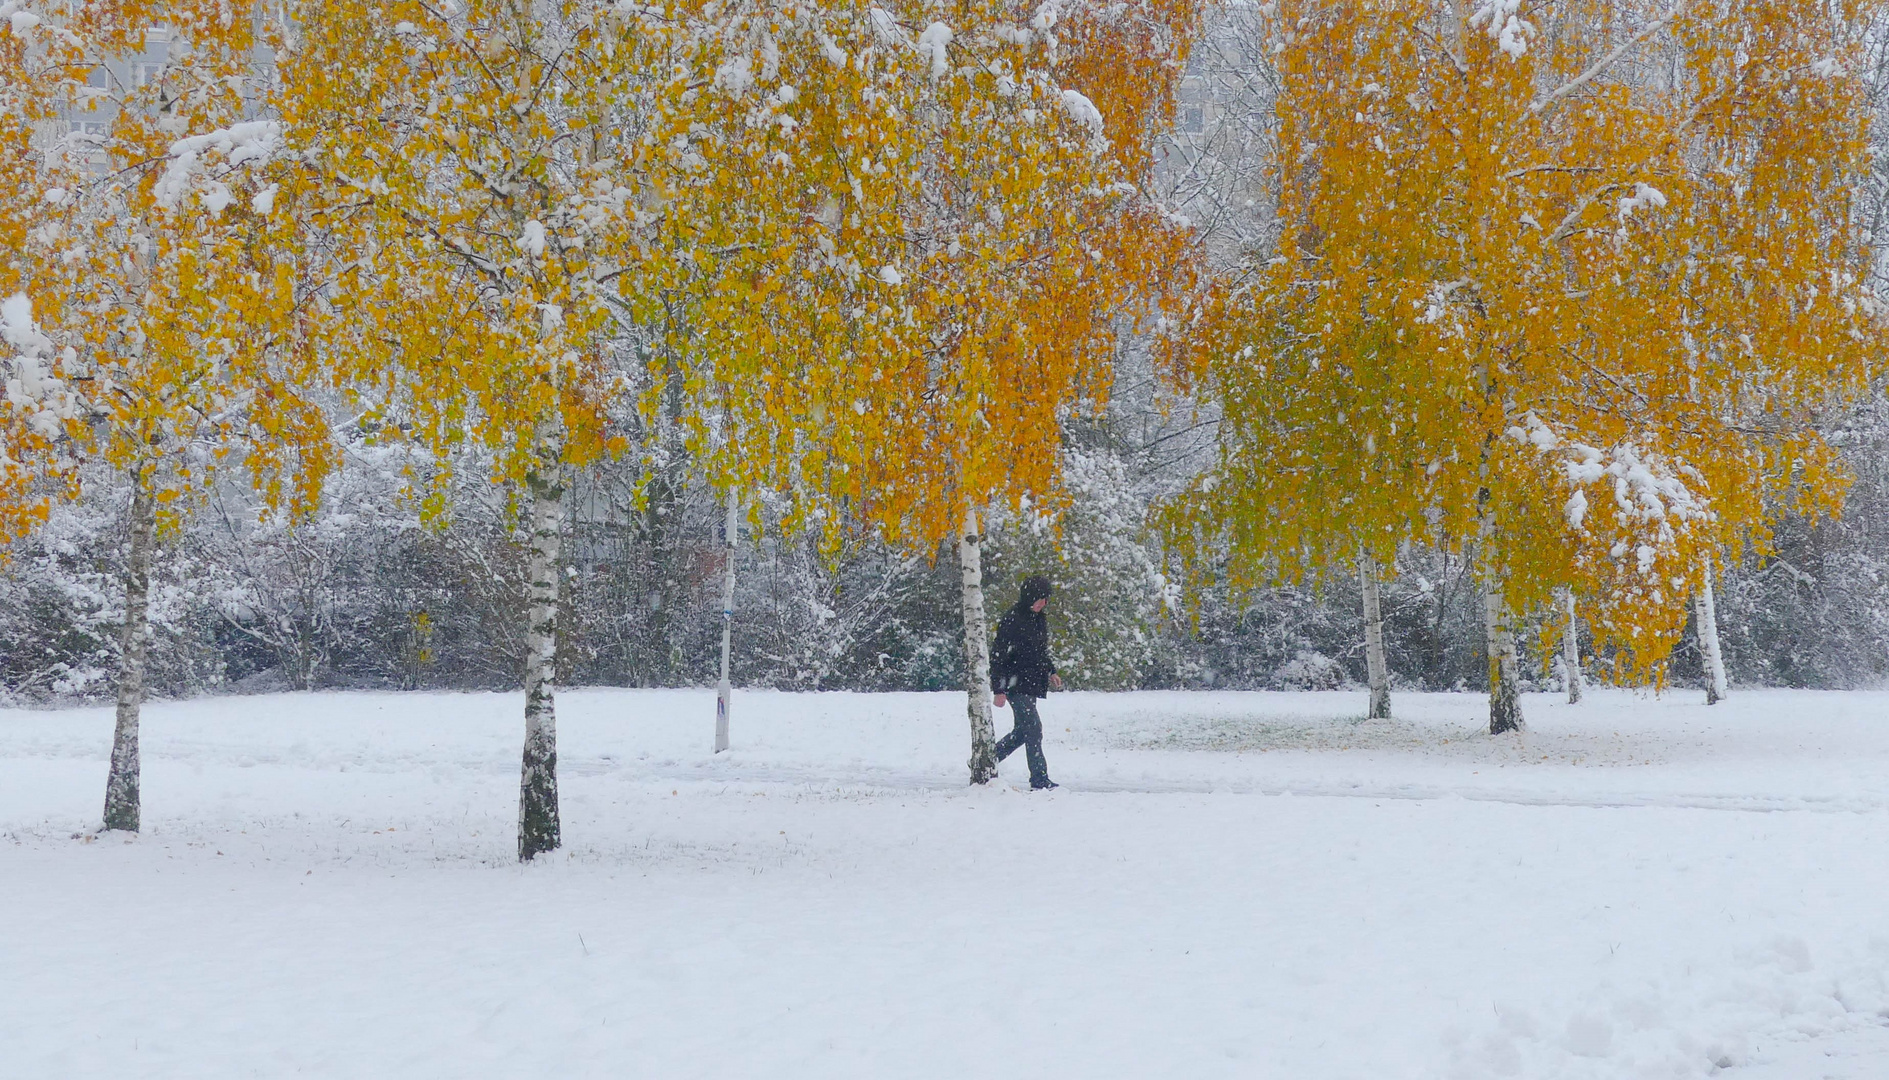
(16, 320)
(1648, 492)
(1644, 195)
(1083, 111)
(32, 387)
(532, 240)
(1510, 31)
(933, 40)
(250, 142)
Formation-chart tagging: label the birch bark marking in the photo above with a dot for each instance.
(1571, 654)
(1505, 702)
(538, 827)
(1377, 669)
(1460, 57)
(121, 783)
(976, 653)
(1716, 685)
(724, 692)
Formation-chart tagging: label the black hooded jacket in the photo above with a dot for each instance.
(1019, 662)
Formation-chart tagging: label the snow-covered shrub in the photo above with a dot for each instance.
(1309, 670)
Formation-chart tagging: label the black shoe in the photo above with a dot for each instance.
(1044, 786)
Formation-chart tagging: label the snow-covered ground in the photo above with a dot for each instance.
(1240, 885)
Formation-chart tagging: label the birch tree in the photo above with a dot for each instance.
(498, 170)
(960, 246)
(1493, 318)
(173, 308)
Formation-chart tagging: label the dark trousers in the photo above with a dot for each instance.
(1026, 732)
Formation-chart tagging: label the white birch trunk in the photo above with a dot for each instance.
(538, 824)
(724, 691)
(1571, 655)
(976, 653)
(1458, 20)
(122, 804)
(1717, 686)
(1505, 702)
(1377, 669)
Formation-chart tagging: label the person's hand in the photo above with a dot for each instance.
(1000, 701)
(1055, 682)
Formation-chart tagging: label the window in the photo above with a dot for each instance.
(1193, 119)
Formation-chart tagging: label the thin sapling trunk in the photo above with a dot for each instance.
(1571, 654)
(976, 653)
(121, 783)
(724, 691)
(1376, 667)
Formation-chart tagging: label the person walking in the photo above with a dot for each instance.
(1021, 672)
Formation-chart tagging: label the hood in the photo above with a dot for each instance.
(1035, 587)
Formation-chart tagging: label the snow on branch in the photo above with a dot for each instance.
(1083, 111)
(18, 19)
(1644, 195)
(253, 142)
(932, 42)
(886, 28)
(1510, 31)
(31, 386)
(1651, 501)
(1611, 58)
(1828, 68)
(19, 329)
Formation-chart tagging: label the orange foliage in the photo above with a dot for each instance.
(936, 246)
(151, 252)
(1573, 284)
(483, 166)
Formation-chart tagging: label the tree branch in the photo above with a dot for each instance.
(1608, 61)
